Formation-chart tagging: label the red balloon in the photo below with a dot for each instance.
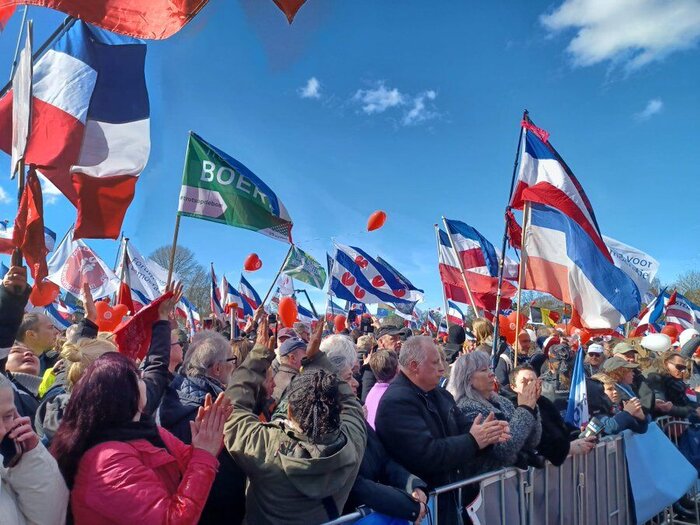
(43, 293)
(339, 323)
(670, 331)
(287, 311)
(290, 8)
(252, 263)
(108, 317)
(376, 220)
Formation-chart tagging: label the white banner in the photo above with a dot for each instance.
(639, 266)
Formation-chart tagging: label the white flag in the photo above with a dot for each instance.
(639, 266)
(145, 276)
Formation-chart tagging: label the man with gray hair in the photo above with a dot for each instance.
(208, 368)
(422, 429)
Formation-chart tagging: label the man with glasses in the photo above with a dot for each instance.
(178, 346)
(595, 358)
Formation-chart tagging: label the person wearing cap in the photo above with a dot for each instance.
(669, 385)
(291, 352)
(640, 386)
(615, 413)
(595, 358)
(389, 337)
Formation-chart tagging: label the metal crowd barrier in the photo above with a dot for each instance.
(584, 490)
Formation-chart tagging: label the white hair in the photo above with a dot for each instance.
(464, 368)
(414, 349)
(340, 350)
(206, 350)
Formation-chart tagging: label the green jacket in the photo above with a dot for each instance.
(290, 479)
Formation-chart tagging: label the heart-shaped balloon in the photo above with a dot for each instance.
(109, 317)
(252, 263)
(290, 8)
(339, 323)
(376, 220)
(288, 312)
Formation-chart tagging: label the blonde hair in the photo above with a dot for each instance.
(81, 354)
(482, 329)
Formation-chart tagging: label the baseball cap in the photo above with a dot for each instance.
(286, 333)
(387, 330)
(291, 344)
(617, 362)
(595, 348)
(623, 348)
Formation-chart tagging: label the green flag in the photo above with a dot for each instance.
(300, 265)
(216, 187)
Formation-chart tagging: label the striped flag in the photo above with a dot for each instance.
(454, 314)
(679, 313)
(216, 294)
(251, 299)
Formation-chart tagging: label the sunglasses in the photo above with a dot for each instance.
(680, 368)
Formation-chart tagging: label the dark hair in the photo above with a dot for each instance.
(29, 322)
(107, 395)
(384, 365)
(314, 403)
(514, 373)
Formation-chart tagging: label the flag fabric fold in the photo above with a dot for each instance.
(577, 409)
(251, 299)
(134, 336)
(301, 266)
(146, 278)
(216, 187)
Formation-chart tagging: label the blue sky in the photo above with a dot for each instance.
(414, 109)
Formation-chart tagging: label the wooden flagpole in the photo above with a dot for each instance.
(444, 296)
(504, 244)
(461, 267)
(521, 275)
(274, 281)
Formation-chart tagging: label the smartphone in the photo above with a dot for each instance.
(272, 319)
(11, 452)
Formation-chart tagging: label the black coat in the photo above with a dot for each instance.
(383, 485)
(11, 313)
(182, 399)
(427, 434)
(670, 389)
(367, 381)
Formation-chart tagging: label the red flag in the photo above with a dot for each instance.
(134, 337)
(290, 7)
(5, 15)
(515, 231)
(124, 297)
(28, 236)
(152, 19)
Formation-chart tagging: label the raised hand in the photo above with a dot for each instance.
(89, 303)
(208, 428)
(314, 346)
(166, 308)
(15, 279)
(263, 336)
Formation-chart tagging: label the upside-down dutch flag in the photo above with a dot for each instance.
(305, 315)
(454, 314)
(679, 313)
(251, 299)
(333, 309)
(649, 317)
(545, 178)
(60, 321)
(90, 130)
(483, 287)
(563, 260)
(215, 295)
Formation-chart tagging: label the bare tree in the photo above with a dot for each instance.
(193, 275)
(689, 285)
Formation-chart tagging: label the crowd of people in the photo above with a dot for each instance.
(297, 424)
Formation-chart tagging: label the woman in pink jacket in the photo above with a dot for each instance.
(122, 470)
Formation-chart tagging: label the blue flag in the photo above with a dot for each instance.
(577, 411)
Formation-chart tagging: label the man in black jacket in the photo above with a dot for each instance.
(14, 294)
(422, 429)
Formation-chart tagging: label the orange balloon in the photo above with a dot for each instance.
(287, 311)
(670, 331)
(376, 220)
(252, 263)
(339, 323)
(108, 317)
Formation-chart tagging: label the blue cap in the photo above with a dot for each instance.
(291, 344)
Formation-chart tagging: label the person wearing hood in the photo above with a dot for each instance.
(300, 469)
(455, 342)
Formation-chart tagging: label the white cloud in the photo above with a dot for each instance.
(312, 89)
(629, 32)
(379, 99)
(49, 191)
(420, 112)
(4, 197)
(654, 106)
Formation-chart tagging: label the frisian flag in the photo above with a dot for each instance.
(251, 299)
(216, 187)
(73, 263)
(152, 19)
(415, 295)
(215, 295)
(90, 123)
(577, 409)
(357, 277)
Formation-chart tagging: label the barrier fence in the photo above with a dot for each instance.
(585, 490)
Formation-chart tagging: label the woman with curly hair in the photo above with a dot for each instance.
(300, 469)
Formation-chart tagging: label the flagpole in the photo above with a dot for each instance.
(521, 274)
(444, 295)
(19, 43)
(274, 281)
(172, 250)
(501, 264)
(461, 267)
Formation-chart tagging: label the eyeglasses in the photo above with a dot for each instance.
(231, 359)
(680, 368)
(178, 343)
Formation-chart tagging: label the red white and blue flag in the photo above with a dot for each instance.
(90, 130)
(216, 294)
(359, 278)
(6, 232)
(58, 318)
(680, 313)
(304, 315)
(545, 178)
(454, 314)
(251, 299)
(333, 309)
(564, 261)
